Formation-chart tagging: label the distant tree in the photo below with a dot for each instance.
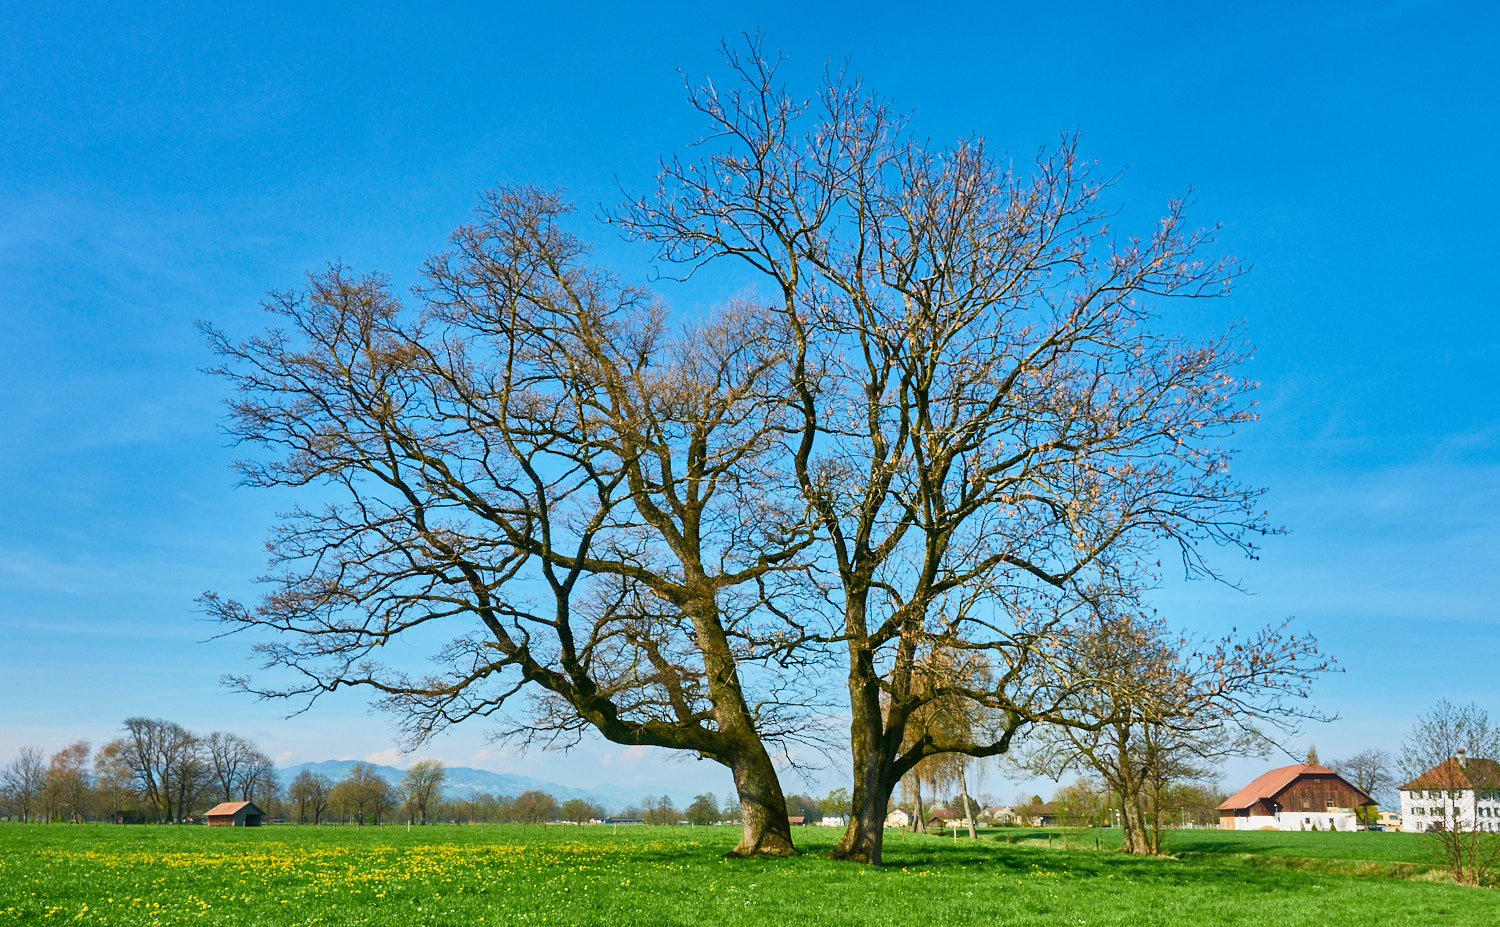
(167, 765)
(1081, 803)
(704, 809)
(660, 810)
(309, 794)
(731, 810)
(534, 807)
(68, 791)
(1193, 802)
(491, 809)
(835, 802)
(238, 768)
(1312, 756)
(362, 795)
(1370, 771)
(580, 811)
(22, 782)
(423, 788)
(1454, 748)
(1143, 710)
(803, 806)
(114, 782)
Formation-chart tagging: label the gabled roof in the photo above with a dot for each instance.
(230, 808)
(1451, 774)
(1271, 784)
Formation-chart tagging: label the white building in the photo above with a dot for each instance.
(1458, 793)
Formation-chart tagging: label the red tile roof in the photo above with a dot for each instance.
(1271, 784)
(1451, 774)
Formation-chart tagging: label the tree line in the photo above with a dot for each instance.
(158, 771)
(922, 477)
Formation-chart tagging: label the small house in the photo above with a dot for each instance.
(234, 814)
(899, 817)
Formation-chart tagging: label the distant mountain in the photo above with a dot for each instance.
(464, 781)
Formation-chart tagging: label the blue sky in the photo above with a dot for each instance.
(163, 164)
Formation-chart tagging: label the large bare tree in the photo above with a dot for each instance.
(993, 427)
(166, 762)
(536, 464)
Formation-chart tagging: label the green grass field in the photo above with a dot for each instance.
(281, 875)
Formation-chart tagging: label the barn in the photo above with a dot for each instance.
(1302, 797)
(235, 814)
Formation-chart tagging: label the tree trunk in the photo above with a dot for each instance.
(920, 824)
(963, 789)
(873, 761)
(1132, 819)
(767, 831)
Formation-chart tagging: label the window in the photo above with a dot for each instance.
(1330, 803)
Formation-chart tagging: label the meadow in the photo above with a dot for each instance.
(471, 875)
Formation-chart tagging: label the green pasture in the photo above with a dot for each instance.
(446, 875)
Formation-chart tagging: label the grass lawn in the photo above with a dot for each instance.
(445, 875)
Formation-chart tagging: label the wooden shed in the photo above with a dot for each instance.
(235, 814)
(1302, 797)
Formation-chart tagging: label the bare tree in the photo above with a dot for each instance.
(580, 811)
(114, 781)
(361, 796)
(308, 793)
(238, 768)
(423, 785)
(1451, 760)
(533, 807)
(539, 462)
(166, 763)
(1370, 771)
(992, 427)
(68, 793)
(1145, 711)
(22, 781)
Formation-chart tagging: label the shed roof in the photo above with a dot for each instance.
(1453, 774)
(1273, 783)
(231, 808)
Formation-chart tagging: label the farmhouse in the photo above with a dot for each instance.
(1458, 793)
(899, 817)
(1302, 797)
(234, 814)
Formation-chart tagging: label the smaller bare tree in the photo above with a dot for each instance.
(423, 785)
(22, 781)
(1144, 711)
(1370, 771)
(1450, 756)
(308, 792)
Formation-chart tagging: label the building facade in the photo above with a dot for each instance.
(1302, 797)
(1457, 794)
